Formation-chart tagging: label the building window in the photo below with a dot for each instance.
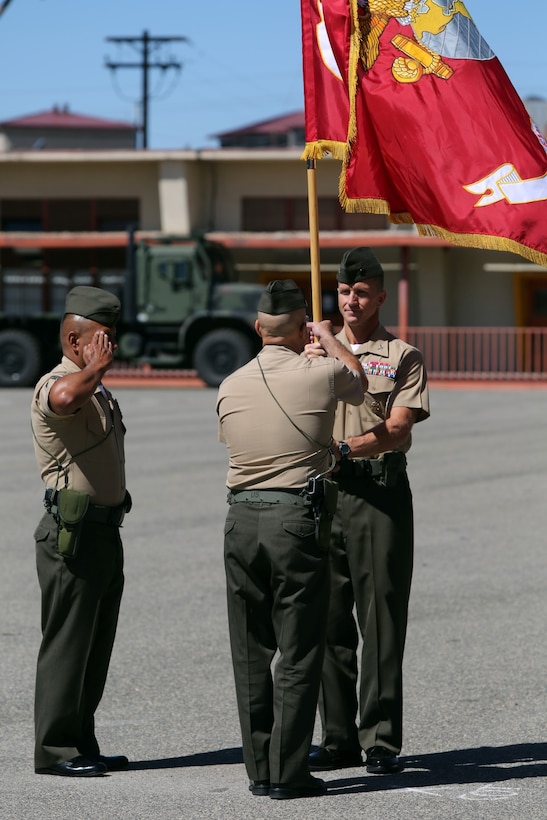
(116, 214)
(68, 214)
(291, 214)
(21, 215)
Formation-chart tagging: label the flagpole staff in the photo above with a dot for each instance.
(314, 242)
(402, 329)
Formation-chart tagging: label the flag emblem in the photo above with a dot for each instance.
(439, 29)
(426, 122)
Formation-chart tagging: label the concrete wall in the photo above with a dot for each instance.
(25, 139)
(173, 197)
(478, 297)
(184, 191)
(29, 179)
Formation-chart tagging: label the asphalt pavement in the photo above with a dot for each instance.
(476, 658)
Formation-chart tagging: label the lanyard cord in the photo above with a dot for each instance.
(60, 467)
(295, 425)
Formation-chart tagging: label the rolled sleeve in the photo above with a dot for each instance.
(411, 388)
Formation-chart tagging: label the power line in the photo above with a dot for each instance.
(145, 45)
(4, 5)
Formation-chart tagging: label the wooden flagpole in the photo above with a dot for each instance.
(314, 242)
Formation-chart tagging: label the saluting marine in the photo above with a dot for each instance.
(79, 444)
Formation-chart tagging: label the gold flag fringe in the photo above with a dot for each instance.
(359, 206)
(320, 149)
(401, 219)
(354, 53)
(486, 242)
(465, 240)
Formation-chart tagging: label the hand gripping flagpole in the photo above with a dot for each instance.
(314, 242)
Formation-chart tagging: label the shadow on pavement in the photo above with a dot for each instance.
(221, 757)
(485, 764)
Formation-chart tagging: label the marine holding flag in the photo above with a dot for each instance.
(436, 133)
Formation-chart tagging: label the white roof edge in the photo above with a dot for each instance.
(136, 155)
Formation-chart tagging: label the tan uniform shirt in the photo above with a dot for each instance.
(265, 449)
(88, 445)
(396, 378)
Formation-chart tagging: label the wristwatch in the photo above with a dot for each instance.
(344, 449)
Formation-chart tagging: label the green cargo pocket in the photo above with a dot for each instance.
(41, 533)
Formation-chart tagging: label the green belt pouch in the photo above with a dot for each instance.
(71, 509)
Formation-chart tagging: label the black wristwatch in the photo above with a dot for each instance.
(344, 449)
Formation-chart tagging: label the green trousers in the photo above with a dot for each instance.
(80, 604)
(277, 590)
(371, 557)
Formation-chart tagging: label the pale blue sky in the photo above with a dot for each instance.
(243, 64)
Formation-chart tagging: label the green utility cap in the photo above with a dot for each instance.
(281, 296)
(357, 265)
(93, 303)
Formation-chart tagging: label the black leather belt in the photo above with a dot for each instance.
(96, 513)
(356, 468)
(359, 468)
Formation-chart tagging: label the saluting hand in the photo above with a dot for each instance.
(99, 351)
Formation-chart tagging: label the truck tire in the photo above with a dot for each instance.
(19, 359)
(219, 353)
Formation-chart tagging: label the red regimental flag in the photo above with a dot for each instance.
(326, 38)
(438, 136)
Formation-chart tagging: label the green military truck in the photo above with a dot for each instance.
(182, 306)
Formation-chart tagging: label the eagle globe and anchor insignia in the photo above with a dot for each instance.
(440, 28)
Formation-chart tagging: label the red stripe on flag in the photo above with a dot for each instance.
(326, 37)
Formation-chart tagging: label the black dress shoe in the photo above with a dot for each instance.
(116, 763)
(382, 761)
(323, 760)
(315, 787)
(260, 788)
(77, 767)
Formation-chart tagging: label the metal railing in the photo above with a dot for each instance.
(482, 353)
(450, 353)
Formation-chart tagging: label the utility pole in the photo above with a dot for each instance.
(145, 44)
